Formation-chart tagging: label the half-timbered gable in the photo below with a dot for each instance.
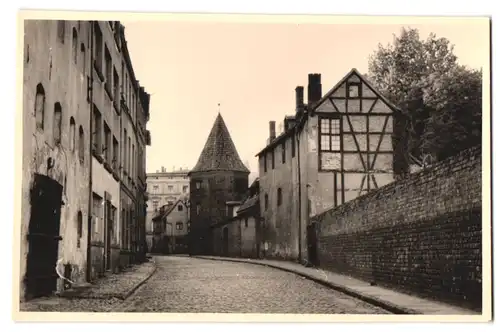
(355, 124)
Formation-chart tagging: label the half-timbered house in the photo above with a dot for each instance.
(336, 148)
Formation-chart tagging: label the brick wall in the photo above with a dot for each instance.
(421, 234)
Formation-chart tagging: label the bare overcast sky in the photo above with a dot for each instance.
(252, 69)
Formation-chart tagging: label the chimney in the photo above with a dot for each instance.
(314, 88)
(272, 131)
(299, 98)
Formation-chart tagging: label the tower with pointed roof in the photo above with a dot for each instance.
(218, 177)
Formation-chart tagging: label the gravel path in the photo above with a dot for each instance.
(183, 284)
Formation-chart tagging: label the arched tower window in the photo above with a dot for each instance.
(57, 123)
(280, 197)
(79, 228)
(72, 134)
(74, 46)
(81, 144)
(39, 106)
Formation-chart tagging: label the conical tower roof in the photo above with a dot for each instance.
(219, 153)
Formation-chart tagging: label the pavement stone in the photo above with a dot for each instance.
(394, 302)
(191, 285)
(102, 294)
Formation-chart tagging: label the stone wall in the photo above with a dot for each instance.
(421, 234)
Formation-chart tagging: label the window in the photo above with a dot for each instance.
(246, 222)
(179, 207)
(116, 86)
(72, 134)
(178, 226)
(57, 123)
(283, 152)
(97, 125)
(79, 228)
(132, 168)
(155, 206)
(123, 229)
(266, 201)
(265, 162)
(61, 27)
(330, 134)
(170, 188)
(198, 184)
(280, 197)
(155, 189)
(82, 50)
(81, 145)
(198, 209)
(96, 212)
(184, 189)
(107, 143)
(272, 159)
(114, 162)
(354, 90)
(112, 222)
(39, 106)
(74, 46)
(124, 155)
(108, 69)
(98, 47)
(129, 167)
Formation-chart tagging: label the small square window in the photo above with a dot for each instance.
(354, 90)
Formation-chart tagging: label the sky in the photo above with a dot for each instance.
(252, 70)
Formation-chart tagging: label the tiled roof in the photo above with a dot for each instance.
(249, 202)
(219, 153)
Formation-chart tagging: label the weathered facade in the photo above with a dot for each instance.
(337, 147)
(164, 188)
(174, 222)
(240, 235)
(71, 152)
(56, 162)
(218, 177)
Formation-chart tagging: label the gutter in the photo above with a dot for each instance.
(91, 97)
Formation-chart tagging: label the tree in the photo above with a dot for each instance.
(440, 100)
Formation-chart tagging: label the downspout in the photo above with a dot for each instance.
(300, 192)
(91, 98)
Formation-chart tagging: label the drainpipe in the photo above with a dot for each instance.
(91, 97)
(300, 192)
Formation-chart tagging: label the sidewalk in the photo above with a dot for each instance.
(398, 303)
(99, 295)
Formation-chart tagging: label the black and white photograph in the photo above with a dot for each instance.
(246, 164)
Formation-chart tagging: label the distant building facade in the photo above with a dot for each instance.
(335, 148)
(164, 187)
(240, 235)
(170, 228)
(73, 150)
(218, 177)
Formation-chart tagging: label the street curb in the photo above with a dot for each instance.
(393, 308)
(121, 296)
(131, 291)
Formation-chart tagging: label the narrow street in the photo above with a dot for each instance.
(184, 284)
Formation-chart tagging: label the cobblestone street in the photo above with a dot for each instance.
(183, 284)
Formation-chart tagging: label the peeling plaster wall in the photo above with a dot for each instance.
(48, 61)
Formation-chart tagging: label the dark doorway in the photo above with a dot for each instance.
(43, 237)
(312, 245)
(225, 241)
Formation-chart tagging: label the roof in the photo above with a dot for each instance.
(311, 108)
(364, 80)
(248, 203)
(219, 152)
(170, 209)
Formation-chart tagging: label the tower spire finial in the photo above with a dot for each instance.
(218, 105)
